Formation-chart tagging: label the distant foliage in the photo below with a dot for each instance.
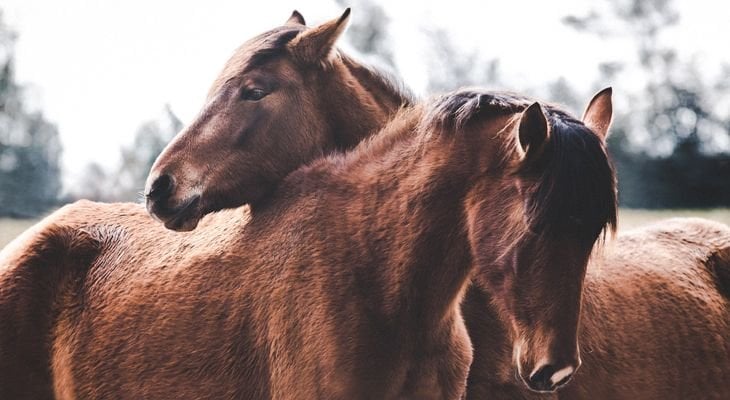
(368, 31)
(137, 159)
(670, 139)
(30, 149)
(672, 149)
(126, 181)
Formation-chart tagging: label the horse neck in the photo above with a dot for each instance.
(408, 199)
(360, 102)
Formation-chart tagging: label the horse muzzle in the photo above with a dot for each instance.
(183, 216)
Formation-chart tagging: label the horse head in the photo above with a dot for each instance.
(284, 98)
(533, 229)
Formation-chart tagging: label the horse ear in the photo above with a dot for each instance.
(295, 19)
(534, 129)
(316, 44)
(599, 112)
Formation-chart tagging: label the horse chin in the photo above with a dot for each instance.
(184, 218)
(182, 225)
(550, 382)
(522, 370)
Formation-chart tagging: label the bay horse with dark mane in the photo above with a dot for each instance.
(335, 103)
(269, 304)
(285, 97)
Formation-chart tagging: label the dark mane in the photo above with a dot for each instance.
(272, 43)
(456, 109)
(574, 184)
(379, 80)
(576, 188)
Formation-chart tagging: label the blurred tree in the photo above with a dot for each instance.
(671, 150)
(137, 159)
(561, 92)
(30, 150)
(449, 68)
(93, 184)
(125, 181)
(368, 32)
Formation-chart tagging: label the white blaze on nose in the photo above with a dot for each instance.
(560, 375)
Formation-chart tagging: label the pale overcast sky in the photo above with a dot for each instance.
(99, 68)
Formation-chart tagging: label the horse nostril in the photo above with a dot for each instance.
(549, 378)
(540, 379)
(160, 188)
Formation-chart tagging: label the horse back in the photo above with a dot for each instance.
(655, 300)
(719, 264)
(712, 241)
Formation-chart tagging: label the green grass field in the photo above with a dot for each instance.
(10, 228)
(631, 218)
(628, 218)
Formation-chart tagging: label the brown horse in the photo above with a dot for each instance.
(285, 98)
(272, 305)
(655, 321)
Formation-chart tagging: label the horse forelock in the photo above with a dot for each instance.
(257, 51)
(574, 186)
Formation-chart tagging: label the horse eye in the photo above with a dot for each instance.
(253, 94)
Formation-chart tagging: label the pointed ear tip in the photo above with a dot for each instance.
(345, 15)
(534, 107)
(296, 18)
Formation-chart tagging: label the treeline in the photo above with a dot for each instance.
(30, 152)
(671, 141)
(30, 149)
(682, 180)
(125, 180)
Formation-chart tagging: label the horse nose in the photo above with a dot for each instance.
(549, 377)
(161, 188)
